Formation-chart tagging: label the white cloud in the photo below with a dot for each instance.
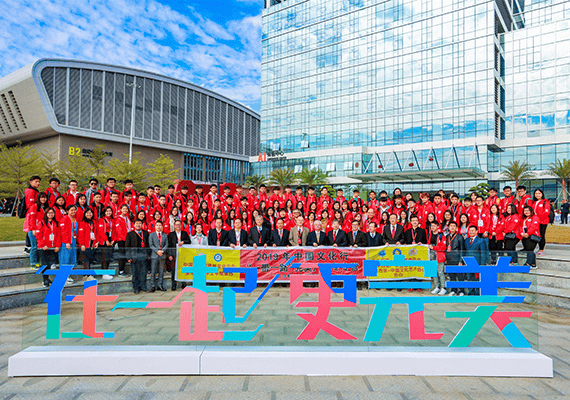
(142, 34)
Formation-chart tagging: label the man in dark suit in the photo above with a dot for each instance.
(455, 249)
(374, 238)
(158, 243)
(337, 237)
(237, 237)
(416, 234)
(280, 236)
(136, 244)
(218, 236)
(474, 248)
(357, 238)
(318, 237)
(176, 239)
(393, 232)
(259, 236)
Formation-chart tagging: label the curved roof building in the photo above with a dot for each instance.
(67, 107)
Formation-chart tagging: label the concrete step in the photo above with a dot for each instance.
(27, 295)
(19, 276)
(553, 263)
(14, 261)
(552, 278)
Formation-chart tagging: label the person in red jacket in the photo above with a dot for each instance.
(52, 191)
(456, 208)
(69, 227)
(524, 198)
(49, 242)
(496, 231)
(541, 207)
(106, 238)
(530, 232)
(424, 209)
(30, 198)
(437, 242)
(512, 231)
(482, 219)
(439, 207)
(87, 239)
(123, 225)
(508, 199)
(72, 193)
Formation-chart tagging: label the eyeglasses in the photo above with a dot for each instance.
(93, 183)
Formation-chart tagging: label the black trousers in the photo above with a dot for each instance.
(122, 255)
(563, 217)
(138, 271)
(528, 247)
(542, 242)
(106, 256)
(510, 247)
(47, 257)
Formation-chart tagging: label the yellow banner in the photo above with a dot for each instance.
(215, 257)
(415, 253)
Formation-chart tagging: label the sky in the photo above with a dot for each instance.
(214, 44)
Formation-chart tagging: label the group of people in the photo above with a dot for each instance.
(147, 227)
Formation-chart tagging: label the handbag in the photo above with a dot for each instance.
(535, 238)
(511, 235)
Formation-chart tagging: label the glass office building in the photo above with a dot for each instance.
(417, 94)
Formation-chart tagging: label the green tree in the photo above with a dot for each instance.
(97, 159)
(17, 164)
(282, 177)
(312, 177)
(482, 189)
(77, 168)
(50, 168)
(121, 170)
(162, 172)
(255, 180)
(518, 171)
(561, 170)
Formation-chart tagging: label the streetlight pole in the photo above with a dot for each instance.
(134, 86)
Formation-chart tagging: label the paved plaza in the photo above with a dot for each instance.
(24, 327)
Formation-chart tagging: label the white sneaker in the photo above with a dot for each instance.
(53, 266)
(436, 290)
(451, 293)
(107, 277)
(90, 278)
(70, 280)
(442, 292)
(461, 294)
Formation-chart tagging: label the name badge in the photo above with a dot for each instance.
(480, 222)
(92, 236)
(51, 237)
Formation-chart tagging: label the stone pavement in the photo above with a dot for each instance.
(553, 331)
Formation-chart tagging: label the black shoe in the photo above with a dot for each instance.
(173, 288)
(162, 289)
(137, 291)
(122, 273)
(152, 290)
(47, 283)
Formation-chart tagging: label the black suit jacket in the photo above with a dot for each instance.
(133, 245)
(280, 242)
(375, 241)
(341, 239)
(213, 238)
(420, 236)
(361, 239)
(173, 241)
(312, 239)
(232, 239)
(456, 249)
(254, 236)
(398, 236)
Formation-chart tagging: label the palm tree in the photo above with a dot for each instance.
(518, 171)
(282, 177)
(312, 177)
(255, 180)
(561, 169)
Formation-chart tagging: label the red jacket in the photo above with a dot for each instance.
(48, 235)
(30, 195)
(440, 247)
(456, 211)
(531, 226)
(122, 228)
(505, 201)
(513, 224)
(70, 199)
(542, 211)
(34, 217)
(52, 195)
(423, 211)
(66, 231)
(497, 227)
(105, 226)
(482, 219)
(525, 201)
(439, 210)
(87, 235)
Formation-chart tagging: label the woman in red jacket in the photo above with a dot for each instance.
(106, 238)
(496, 231)
(541, 208)
(512, 231)
(87, 238)
(60, 208)
(49, 241)
(530, 232)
